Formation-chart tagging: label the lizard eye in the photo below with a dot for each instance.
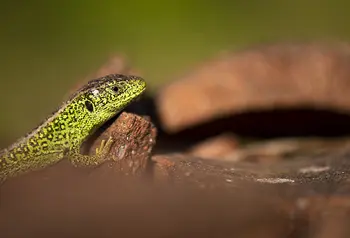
(115, 89)
(89, 106)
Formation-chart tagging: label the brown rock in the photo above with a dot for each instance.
(310, 189)
(331, 217)
(112, 208)
(216, 147)
(310, 168)
(134, 138)
(263, 78)
(272, 151)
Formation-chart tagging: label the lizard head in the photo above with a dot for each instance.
(102, 98)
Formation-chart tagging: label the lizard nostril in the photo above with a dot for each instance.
(89, 106)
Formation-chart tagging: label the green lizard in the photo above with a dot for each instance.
(62, 134)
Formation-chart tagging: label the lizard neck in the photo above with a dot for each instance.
(65, 129)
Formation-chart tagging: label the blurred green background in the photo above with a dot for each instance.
(46, 46)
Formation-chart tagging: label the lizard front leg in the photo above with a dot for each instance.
(80, 160)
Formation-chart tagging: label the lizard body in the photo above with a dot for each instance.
(62, 134)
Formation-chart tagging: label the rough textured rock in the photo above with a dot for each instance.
(312, 165)
(134, 138)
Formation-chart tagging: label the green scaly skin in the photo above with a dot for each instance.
(62, 134)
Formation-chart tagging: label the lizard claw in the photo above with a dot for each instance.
(105, 146)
